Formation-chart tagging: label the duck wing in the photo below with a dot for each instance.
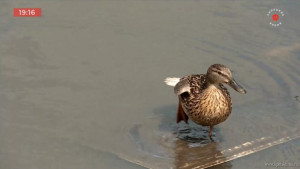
(182, 87)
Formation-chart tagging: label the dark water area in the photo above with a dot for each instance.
(82, 86)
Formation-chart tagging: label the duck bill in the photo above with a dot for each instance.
(236, 86)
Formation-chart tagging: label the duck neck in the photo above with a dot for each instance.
(211, 83)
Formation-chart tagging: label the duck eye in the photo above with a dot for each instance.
(219, 73)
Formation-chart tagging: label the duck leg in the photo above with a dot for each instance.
(181, 114)
(210, 130)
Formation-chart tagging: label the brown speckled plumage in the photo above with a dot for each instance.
(203, 98)
(205, 104)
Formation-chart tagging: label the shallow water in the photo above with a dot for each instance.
(82, 86)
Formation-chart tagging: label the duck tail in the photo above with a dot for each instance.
(172, 81)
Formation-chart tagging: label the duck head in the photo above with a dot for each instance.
(218, 73)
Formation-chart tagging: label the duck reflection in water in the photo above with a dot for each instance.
(194, 153)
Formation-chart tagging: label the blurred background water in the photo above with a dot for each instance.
(82, 86)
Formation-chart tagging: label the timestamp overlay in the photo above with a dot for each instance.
(27, 12)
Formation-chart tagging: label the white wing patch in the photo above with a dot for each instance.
(172, 81)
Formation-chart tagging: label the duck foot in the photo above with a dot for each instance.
(210, 131)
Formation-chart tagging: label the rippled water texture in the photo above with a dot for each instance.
(82, 86)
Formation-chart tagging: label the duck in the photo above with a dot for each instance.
(203, 98)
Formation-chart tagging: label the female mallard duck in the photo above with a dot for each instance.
(203, 98)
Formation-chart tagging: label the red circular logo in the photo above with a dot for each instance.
(275, 17)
